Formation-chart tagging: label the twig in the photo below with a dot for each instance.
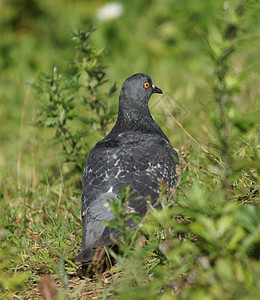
(205, 150)
(19, 157)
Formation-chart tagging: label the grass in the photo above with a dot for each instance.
(205, 242)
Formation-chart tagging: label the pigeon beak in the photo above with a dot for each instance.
(156, 89)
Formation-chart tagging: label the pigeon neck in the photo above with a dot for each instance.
(136, 119)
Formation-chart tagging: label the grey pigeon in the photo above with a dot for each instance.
(135, 153)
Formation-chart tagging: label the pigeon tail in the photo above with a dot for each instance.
(91, 255)
(85, 256)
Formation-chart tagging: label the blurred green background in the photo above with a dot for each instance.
(163, 38)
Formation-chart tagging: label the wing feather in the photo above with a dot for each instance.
(135, 160)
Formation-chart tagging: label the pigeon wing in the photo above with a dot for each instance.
(134, 160)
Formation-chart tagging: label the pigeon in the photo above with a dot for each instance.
(135, 154)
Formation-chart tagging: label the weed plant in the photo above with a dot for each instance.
(74, 106)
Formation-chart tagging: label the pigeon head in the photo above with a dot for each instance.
(137, 90)
(133, 112)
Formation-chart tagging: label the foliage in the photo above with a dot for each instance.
(10, 280)
(63, 106)
(200, 246)
(225, 83)
(125, 222)
(205, 57)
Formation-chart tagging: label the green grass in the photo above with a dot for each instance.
(205, 56)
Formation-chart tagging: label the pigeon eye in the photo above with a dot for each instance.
(146, 85)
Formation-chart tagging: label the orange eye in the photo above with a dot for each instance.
(146, 85)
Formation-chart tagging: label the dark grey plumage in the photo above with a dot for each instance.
(137, 153)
